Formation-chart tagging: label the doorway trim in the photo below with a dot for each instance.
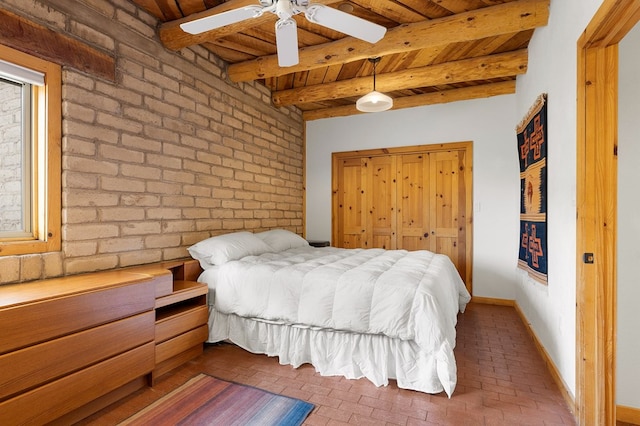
(596, 191)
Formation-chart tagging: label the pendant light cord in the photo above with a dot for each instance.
(374, 61)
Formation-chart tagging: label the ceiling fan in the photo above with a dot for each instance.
(286, 28)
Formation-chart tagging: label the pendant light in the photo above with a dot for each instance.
(374, 101)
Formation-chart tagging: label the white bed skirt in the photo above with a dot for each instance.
(334, 353)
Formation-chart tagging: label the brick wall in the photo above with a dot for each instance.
(169, 154)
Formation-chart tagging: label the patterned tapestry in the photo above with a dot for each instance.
(532, 150)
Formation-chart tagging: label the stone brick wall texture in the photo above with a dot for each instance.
(169, 154)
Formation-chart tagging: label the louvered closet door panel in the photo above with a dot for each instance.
(351, 197)
(413, 202)
(380, 191)
(447, 206)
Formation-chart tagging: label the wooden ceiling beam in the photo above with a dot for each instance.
(445, 96)
(500, 65)
(27, 36)
(174, 38)
(486, 22)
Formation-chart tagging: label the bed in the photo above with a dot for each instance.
(374, 313)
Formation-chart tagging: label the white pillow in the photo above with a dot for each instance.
(281, 239)
(223, 248)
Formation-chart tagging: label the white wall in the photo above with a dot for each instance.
(553, 69)
(489, 123)
(628, 344)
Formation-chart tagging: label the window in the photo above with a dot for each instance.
(30, 151)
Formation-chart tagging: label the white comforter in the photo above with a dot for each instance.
(406, 295)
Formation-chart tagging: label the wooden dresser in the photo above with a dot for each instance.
(71, 346)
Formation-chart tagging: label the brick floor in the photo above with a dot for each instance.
(502, 380)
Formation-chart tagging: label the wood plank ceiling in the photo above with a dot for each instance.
(434, 51)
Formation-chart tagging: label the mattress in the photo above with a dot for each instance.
(401, 305)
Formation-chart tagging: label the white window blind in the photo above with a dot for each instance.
(20, 74)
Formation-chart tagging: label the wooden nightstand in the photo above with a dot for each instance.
(181, 314)
(318, 243)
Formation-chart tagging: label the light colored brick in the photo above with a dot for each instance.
(90, 132)
(209, 203)
(121, 154)
(88, 165)
(161, 134)
(90, 264)
(80, 248)
(140, 200)
(79, 180)
(175, 253)
(194, 237)
(89, 198)
(90, 34)
(164, 188)
(171, 226)
(52, 264)
(121, 214)
(181, 177)
(208, 224)
(132, 22)
(164, 161)
(89, 232)
(140, 257)
(178, 201)
(178, 151)
(195, 213)
(121, 184)
(141, 228)
(31, 267)
(142, 172)
(78, 112)
(71, 145)
(117, 245)
(139, 143)
(79, 215)
(164, 213)
(9, 269)
(162, 241)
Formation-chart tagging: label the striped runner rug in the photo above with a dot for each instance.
(205, 400)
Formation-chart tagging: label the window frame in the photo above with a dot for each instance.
(46, 154)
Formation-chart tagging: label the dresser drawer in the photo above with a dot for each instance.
(181, 343)
(50, 401)
(32, 366)
(181, 321)
(41, 320)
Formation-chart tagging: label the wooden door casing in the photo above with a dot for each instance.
(413, 198)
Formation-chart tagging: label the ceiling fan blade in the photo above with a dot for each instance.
(345, 23)
(221, 19)
(287, 42)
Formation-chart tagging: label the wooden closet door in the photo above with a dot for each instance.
(380, 195)
(431, 204)
(351, 219)
(413, 201)
(447, 207)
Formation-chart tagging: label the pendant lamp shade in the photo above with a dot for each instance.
(374, 101)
